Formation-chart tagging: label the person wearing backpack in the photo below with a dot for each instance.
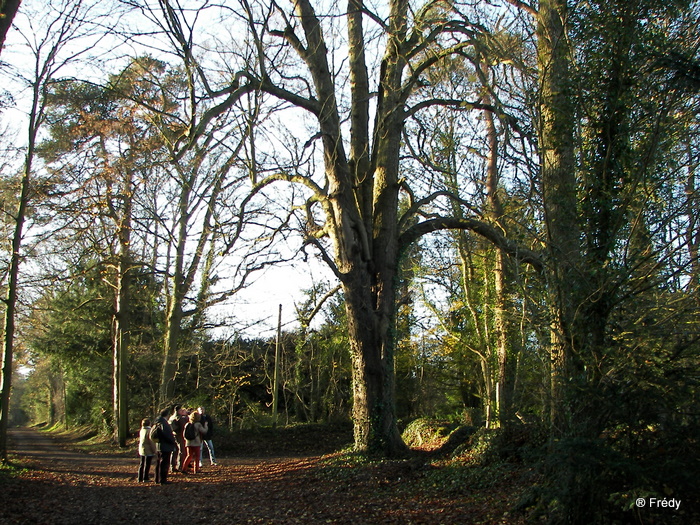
(162, 435)
(194, 431)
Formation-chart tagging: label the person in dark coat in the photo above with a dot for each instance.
(207, 439)
(165, 445)
(177, 422)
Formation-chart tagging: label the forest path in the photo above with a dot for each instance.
(49, 454)
(52, 452)
(63, 486)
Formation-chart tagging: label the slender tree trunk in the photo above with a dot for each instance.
(121, 360)
(172, 336)
(502, 278)
(13, 275)
(496, 398)
(11, 308)
(692, 232)
(184, 273)
(480, 322)
(559, 193)
(122, 335)
(51, 409)
(176, 296)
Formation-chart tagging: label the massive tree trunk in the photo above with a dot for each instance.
(360, 194)
(370, 288)
(385, 233)
(8, 10)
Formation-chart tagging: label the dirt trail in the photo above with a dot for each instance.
(50, 455)
(68, 487)
(61, 486)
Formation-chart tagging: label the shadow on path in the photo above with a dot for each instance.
(60, 486)
(52, 454)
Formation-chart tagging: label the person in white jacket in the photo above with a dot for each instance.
(147, 449)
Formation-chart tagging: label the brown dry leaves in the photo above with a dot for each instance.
(65, 487)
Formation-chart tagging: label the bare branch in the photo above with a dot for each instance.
(306, 320)
(463, 105)
(524, 6)
(479, 227)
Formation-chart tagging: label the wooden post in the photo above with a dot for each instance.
(276, 376)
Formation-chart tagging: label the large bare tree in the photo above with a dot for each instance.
(360, 116)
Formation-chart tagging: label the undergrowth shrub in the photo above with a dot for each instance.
(427, 432)
(456, 477)
(516, 443)
(485, 459)
(598, 480)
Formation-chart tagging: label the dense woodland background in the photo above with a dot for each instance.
(505, 194)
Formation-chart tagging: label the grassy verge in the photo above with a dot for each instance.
(11, 470)
(292, 440)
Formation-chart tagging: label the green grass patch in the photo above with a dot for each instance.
(11, 470)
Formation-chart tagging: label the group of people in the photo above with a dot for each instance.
(175, 446)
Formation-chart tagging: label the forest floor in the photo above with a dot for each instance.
(52, 481)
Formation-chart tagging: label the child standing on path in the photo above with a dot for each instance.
(147, 449)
